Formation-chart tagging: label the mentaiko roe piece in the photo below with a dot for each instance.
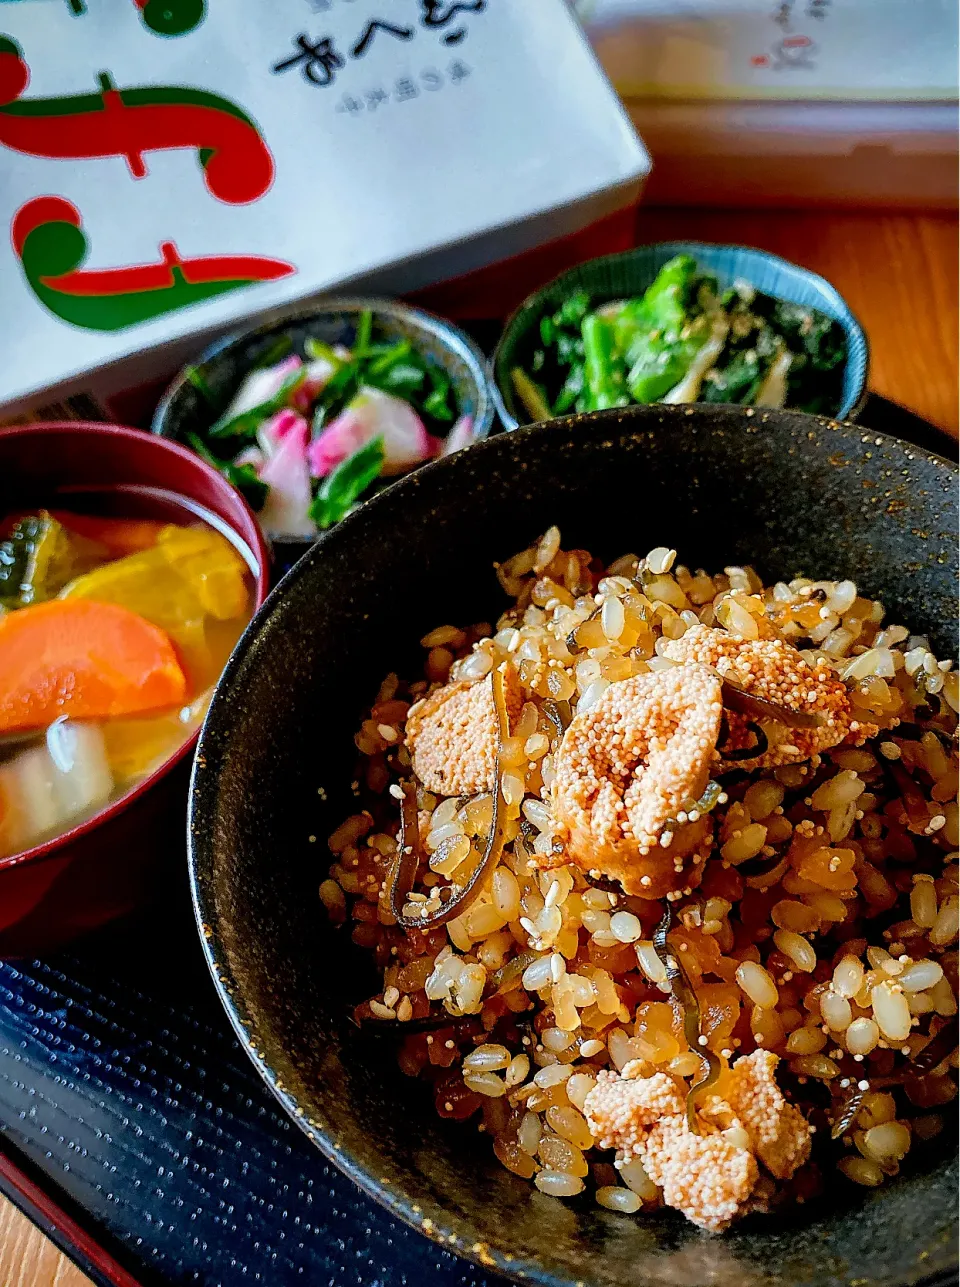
(710, 1177)
(453, 735)
(627, 767)
(707, 1177)
(779, 1132)
(775, 671)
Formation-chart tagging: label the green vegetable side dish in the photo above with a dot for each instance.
(306, 436)
(684, 340)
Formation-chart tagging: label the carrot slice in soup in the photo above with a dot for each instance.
(84, 659)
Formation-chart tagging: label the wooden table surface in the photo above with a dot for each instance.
(898, 272)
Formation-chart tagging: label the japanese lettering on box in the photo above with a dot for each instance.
(166, 165)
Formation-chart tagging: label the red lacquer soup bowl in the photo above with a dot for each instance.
(114, 859)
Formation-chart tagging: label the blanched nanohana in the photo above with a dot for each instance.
(683, 341)
(304, 437)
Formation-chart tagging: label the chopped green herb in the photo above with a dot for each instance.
(437, 404)
(342, 488)
(403, 378)
(377, 364)
(195, 376)
(246, 424)
(243, 477)
(364, 333)
(316, 349)
(281, 347)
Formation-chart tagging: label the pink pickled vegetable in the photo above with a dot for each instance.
(275, 428)
(286, 510)
(250, 456)
(261, 386)
(460, 436)
(317, 375)
(374, 414)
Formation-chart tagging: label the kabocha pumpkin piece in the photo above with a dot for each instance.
(189, 571)
(210, 565)
(83, 660)
(40, 556)
(191, 575)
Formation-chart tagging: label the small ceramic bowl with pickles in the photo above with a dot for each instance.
(312, 413)
(681, 322)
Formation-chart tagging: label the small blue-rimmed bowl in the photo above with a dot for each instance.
(204, 388)
(632, 271)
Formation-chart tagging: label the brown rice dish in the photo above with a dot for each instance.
(661, 874)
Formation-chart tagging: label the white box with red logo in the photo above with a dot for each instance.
(171, 167)
(780, 102)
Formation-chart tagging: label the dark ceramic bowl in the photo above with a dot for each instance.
(110, 863)
(781, 490)
(185, 409)
(632, 271)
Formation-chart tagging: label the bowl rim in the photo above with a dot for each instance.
(446, 331)
(427, 1217)
(847, 319)
(261, 580)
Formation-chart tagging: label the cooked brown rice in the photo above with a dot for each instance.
(604, 731)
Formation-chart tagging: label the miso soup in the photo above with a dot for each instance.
(117, 615)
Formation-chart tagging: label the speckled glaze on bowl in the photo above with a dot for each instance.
(183, 408)
(272, 779)
(632, 271)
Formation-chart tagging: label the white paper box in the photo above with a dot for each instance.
(780, 101)
(142, 166)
